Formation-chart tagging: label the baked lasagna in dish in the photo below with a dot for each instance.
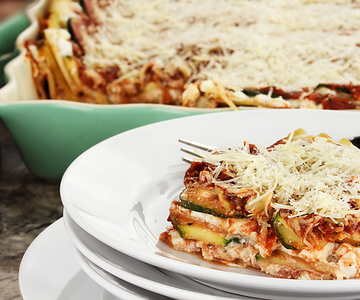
(291, 210)
(200, 53)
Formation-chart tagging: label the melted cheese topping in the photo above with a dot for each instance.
(310, 175)
(61, 38)
(290, 44)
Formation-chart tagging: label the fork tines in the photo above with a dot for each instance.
(196, 145)
(193, 152)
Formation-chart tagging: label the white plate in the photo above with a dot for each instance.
(138, 273)
(120, 191)
(49, 270)
(113, 284)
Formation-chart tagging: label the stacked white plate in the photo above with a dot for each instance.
(117, 195)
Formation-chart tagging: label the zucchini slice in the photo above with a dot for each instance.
(209, 201)
(200, 233)
(353, 239)
(288, 238)
(206, 210)
(198, 208)
(209, 198)
(193, 232)
(337, 88)
(251, 92)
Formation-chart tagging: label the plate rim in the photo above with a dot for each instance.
(172, 265)
(87, 252)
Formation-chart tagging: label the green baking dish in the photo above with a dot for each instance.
(50, 134)
(9, 30)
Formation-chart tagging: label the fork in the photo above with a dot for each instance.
(193, 152)
(354, 140)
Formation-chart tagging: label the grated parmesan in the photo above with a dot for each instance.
(289, 44)
(310, 175)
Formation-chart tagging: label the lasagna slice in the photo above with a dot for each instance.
(200, 53)
(291, 210)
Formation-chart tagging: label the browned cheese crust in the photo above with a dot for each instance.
(81, 74)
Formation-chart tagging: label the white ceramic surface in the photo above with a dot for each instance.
(120, 191)
(50, 271)
(138, 273)
(122, 289)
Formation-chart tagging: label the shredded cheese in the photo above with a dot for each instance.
(61, 39)
(309, 175)
(238, 44)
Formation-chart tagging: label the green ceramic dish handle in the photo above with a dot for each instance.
(9, 31)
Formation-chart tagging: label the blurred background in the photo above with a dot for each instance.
(27, 204)
(9, 8)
